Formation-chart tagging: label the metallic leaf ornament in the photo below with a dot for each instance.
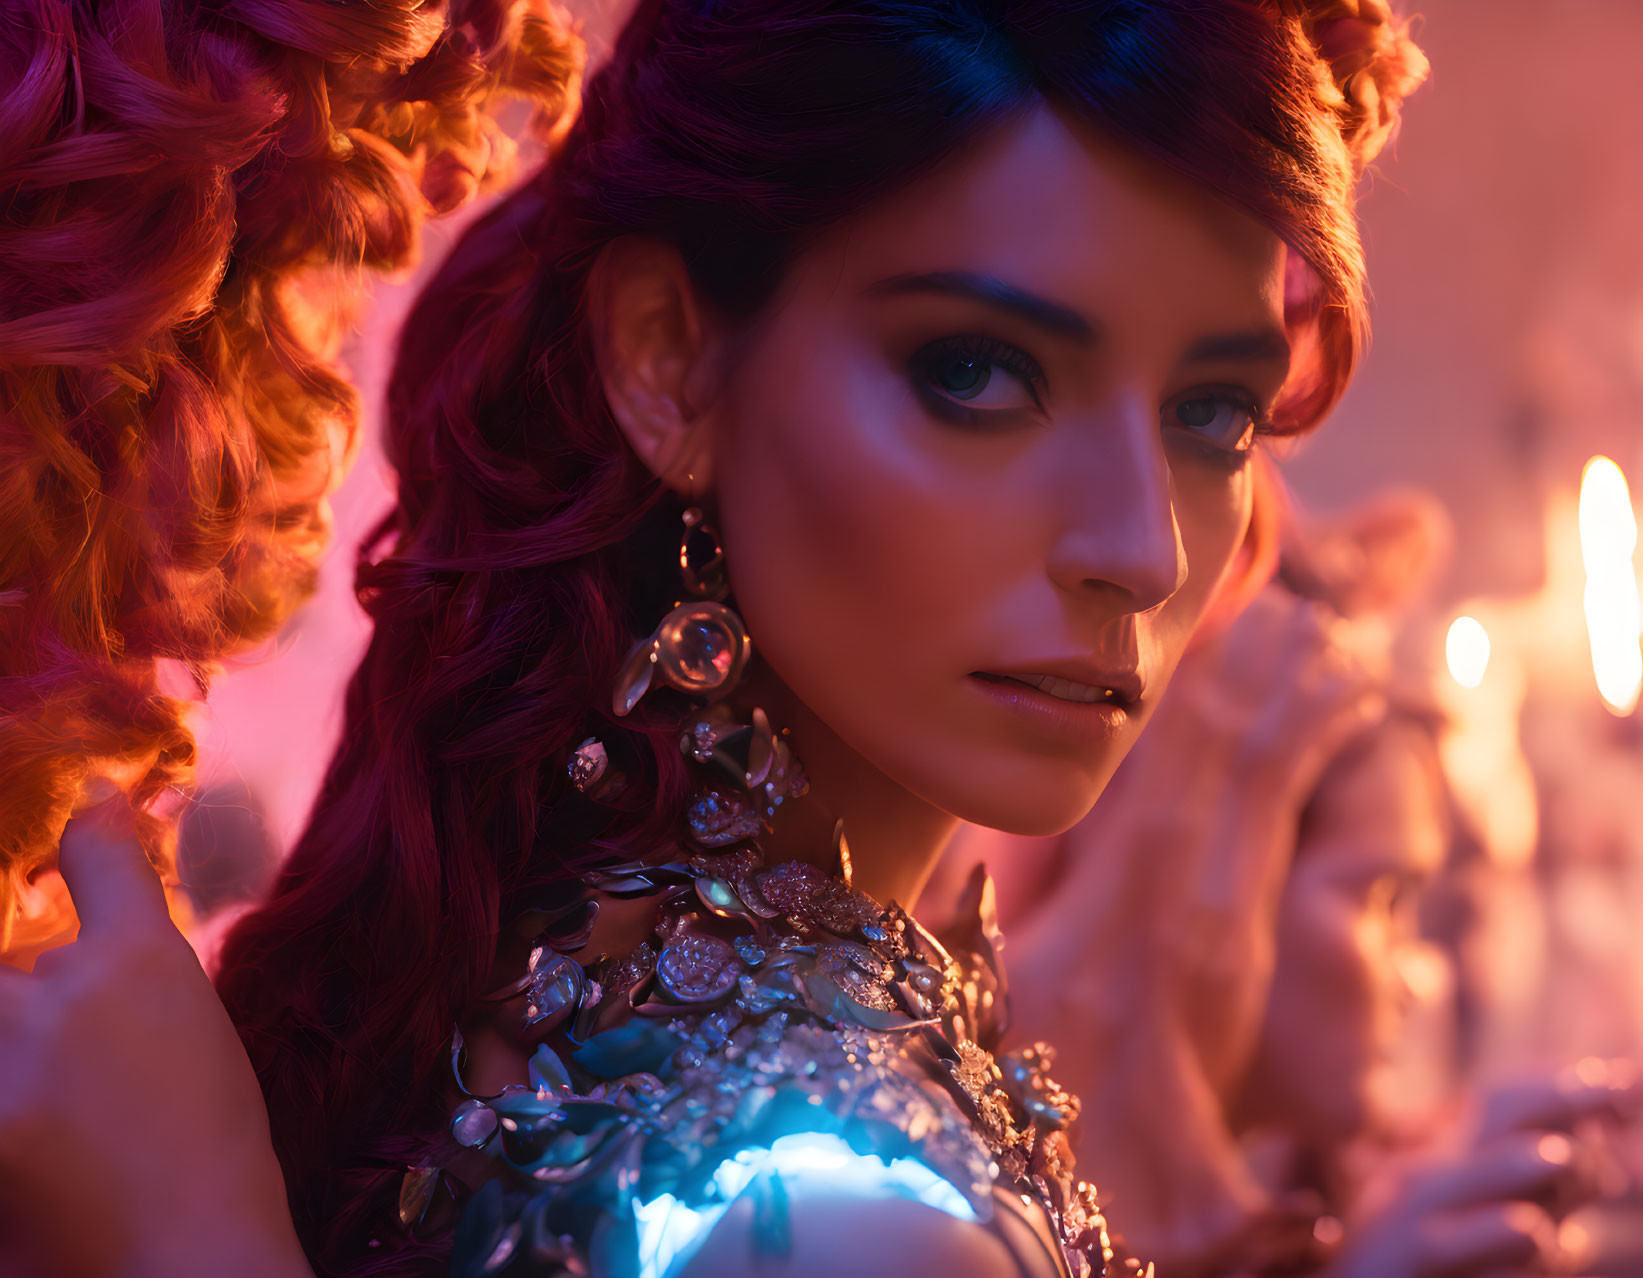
(773, 1007)
(416, 1192)
(555, 988)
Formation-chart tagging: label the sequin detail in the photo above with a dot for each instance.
(769, 1001)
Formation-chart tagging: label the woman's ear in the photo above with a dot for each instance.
(652, 347)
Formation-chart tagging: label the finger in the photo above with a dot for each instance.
(1592, 1089)
(1526, 1166)
(108, 875)
(1508, 1236)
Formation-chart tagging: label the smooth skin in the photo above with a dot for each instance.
(888, 540)
(916, 482)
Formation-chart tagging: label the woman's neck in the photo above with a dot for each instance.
(895, 837)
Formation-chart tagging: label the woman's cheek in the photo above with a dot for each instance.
(845, 543)
(1212, 512)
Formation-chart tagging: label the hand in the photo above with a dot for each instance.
(133, 1137)
(1535, 1156)
(1241, 745)
(1483, 1214)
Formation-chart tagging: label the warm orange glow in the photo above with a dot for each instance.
(1614, 615)
(1467, 651)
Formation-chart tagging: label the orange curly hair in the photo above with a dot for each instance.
(190, 197)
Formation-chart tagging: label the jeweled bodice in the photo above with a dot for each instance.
(779, 1031)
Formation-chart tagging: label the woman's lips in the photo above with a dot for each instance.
(1059, 706)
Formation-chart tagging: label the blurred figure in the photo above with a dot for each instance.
(1228, 952)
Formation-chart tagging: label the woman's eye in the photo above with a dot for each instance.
(961, 377)
(1219, 418)
(975, 376)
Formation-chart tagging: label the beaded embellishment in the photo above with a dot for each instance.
(773, 1007)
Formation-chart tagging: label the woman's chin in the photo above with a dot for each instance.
(1038, 799)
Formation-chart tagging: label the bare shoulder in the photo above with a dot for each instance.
(831, 1235)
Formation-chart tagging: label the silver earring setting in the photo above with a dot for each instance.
(701, 648)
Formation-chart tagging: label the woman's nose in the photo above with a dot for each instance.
(1118, 528)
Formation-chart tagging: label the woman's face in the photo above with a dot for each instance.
(982, 462)
(1348, 939)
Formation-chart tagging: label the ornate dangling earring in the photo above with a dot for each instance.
(700, 648)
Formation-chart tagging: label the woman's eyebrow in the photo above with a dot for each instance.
(1257, 346)
(1053, 318)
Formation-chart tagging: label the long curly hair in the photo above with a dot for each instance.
(527, 545)
(190, 197)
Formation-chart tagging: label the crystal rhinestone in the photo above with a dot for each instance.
(639, 963)
(698, 743)
(701, 647)
(717, 818)
(747, 888)
(473, 1124)
(863, 988)
(791, 886)
(587, 764)
(696, 968)
(840, 909)
(924, 978)
(864, 959)
(702, 652)
(859, 972)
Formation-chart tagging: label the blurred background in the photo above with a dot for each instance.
(1505, 236)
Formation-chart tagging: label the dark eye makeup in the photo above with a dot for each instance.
(972, 380)
(1224, 418)
(975, 381)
